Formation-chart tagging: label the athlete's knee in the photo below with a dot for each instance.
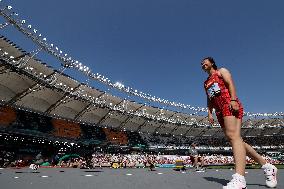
(232, 136)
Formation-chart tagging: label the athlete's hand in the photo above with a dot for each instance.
(234, 106)
(211, 119)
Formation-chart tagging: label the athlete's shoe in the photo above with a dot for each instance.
(270, 172)
(238, 182)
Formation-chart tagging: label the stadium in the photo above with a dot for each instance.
(69, 129)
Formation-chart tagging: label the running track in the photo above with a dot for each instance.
(162, 178)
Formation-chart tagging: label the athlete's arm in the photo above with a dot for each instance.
(209, 107)
(231, 86)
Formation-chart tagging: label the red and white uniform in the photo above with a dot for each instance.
(219, 97)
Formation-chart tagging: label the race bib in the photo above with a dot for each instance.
(213, 90)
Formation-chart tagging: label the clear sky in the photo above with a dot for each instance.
(156, 46)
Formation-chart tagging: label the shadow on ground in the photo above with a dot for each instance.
(217, 180)
(93, 171)
(257, 185)
(224, 181)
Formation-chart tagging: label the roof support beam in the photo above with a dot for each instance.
(59, 102)
(33, 88)
(143, 124)
(128, 118)
(156, 130)
(104, 117)
(86, 109)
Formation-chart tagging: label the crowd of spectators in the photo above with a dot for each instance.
(144, 160)
(166, 141)
(139, 160)
(6, 158)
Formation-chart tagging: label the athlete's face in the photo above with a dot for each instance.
(206, 65)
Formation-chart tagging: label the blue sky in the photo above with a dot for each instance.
(156, 46)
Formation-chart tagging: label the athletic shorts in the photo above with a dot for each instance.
(222, 108)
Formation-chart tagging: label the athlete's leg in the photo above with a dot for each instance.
(232, 130)
(196, 162)
(202, 161)
(193, 161)
(270, 170)
(250, 152)
(254, 155)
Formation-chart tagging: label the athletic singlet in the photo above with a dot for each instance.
(216, 90)
(219, 97)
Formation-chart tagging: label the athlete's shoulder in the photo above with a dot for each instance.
(224, 71)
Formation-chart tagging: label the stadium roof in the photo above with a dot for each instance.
(29, 84)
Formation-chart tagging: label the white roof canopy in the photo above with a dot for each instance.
(21, 89)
